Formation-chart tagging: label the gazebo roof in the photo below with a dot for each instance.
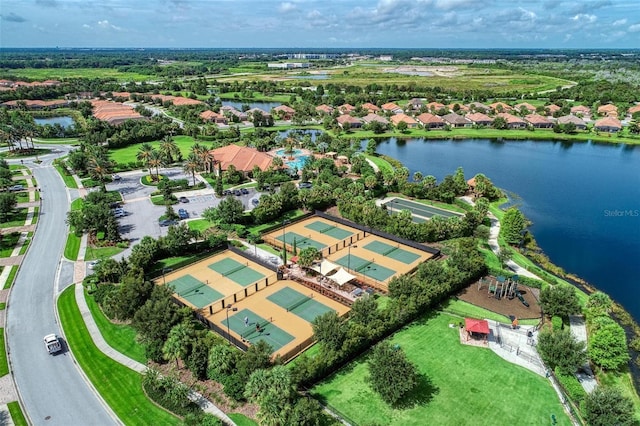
(476, 325)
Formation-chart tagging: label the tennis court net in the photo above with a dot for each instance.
(299, 302)
(190, 289)
(236, 269)
(390, 250)
(328, 228)
(363, 266)
(259, 326)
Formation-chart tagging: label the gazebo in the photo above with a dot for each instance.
(476, 328)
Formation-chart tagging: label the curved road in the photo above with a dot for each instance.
(52, 388)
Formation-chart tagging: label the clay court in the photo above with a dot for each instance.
(504, 306)
(374, 260)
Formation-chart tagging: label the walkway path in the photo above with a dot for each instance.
(579, 331)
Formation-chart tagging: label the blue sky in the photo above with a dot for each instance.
(321, 23)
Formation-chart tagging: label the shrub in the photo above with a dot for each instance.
(556, 322)
(571, 386)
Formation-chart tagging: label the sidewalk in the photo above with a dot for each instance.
(579, 331)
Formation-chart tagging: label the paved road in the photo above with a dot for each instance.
(51, 387)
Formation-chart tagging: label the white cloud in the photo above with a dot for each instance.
(107, 26)
(454, 4)
(583, 17)
(87, 26)
(619, 22)
(314, 14)
(287, 7)
(634, 28)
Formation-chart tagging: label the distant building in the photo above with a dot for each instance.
(288, 65)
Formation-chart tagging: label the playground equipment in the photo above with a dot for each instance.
(501, 287)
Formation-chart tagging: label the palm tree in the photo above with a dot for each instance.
(207, 159)
(277, 163)
(191, 165)
(144, 153)
(177, 344)
(99, 166)
(156, 160)
(169, 149)
(198, 150)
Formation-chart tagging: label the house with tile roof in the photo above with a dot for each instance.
(581, 110)
(577, 121)
(213, 117)
(369, 107)
(346, 108)
(478, 106)
(251, 111)
(391, 107)
(404, 118)
(36, 104)
(633, 110)
(552, 109)
(415, 104)
(500, 107)
(114, 113)
(348, 122)
(460, 107)
(527, 106)
(608, 110)
(234, 114)
(435, 106)
(284, 112)
(369, 118)
(456, 120)
(244, 159)
(513, 122)
(324, 109)
(430, 121)
(538, 121)
(479, 119)
(608, 124)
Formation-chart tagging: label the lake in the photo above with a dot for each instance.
(64, 121)
(265, 106)
(583, 199)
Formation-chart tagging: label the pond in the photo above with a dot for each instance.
(64, 121)
(265, 106)
(583, 199)
(300, 133)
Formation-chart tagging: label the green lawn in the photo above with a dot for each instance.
(199, 224)
(4, 366)
(8, 243)
(383, 165)
(60, 141)
(69, 181)
(122, 338)
(72, 246)
(16, 414)
(128, 153)
(468, 385)
(16, 218)
(241, 419)
(465, 309)
(120, 386)
(622, 380)
(42, 74)
(94, 253)
(3, 306)
(11, 277)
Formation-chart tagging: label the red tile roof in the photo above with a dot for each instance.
(478, 117)
(537, 119)
(346, 118)
(346, 108)
(510, 118)
(374, 117)
(285, 109)
(634, 109)
(368, 106)
(435, 106)
(580, 109)
(526, 105)
(243, 158)
(579, 122)
(610, 122)
(395, 119)
(607, 109)
(114, 112)
(324, 108)
(427, 118)
(494, 106)
(553, 108)
(391, 106)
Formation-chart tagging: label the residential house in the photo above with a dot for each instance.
(234, 114)
(513, 122)
(392, 107)
(404, 118)
(114, 113)
(348, 122)
(346, 108)
(608, 124)
(264, 113)
(457, 107)
(500, 107)
(415, 104)
(369, 107)
(479, 119)
(581, 111)
(527, 106)
(244, 159)
(324, 109)
(608, 110)
(538, 121)
(435, 106)
(477, 106)
(374, 117)
(633, 110)
(176, 100)
(36, 104)
(284, 112)
(566, 119)
(213, 117)
(552, 109)
(456, 120)
(431, 121)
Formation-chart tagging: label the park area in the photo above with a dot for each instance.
(419, 212)
(461, 385)
(483, 294)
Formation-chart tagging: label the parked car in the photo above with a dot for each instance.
(183, 199)
(16, 188)
(115, 178)
(226, 192)
(305, 185)
(52, 343)
(255, 201)
(237, 192)
(245, 191)
(119, 212)
(183, 214)
(93, 264)
(168, 222)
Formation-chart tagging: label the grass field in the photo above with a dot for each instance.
(16, 218)
(16, 414)
(241, 419)
(128, 153)
(4, 366)
(465, 309)
(199, 225)
(94, 253)
(120, 386)
(42, 74)
(8, 243)
(383, 165)
(468, 385)
(122, 338)
(11, 277)
(69, 180)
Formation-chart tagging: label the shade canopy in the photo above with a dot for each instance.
(325, 267)
(341, 277)
(476, 326)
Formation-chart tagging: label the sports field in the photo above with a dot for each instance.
(462, 385)
(420, 212)
(283, 311)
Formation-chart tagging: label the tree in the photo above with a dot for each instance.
(513, 226)
(273, 391)
(307, 256)
(156, 160)
(608, 344)
(169, 150)
(560, 300)
(499, 123)
(191, 166)
(222, 361)
(392, 375)
(402, 126)
(8, 202)
(230, 210)
(178, 342)
(329, 330)
(599, 304)
(560, 349)
(371, 147)
(144, 154)
(607, 406)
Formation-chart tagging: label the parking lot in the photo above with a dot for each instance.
(142, 216)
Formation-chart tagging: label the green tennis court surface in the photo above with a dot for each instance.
(418, 210)
(271, 334)
(365, 267)
(330, 230)
(301, 242)
(194, 291)
(241, 273)
(392, 252)
(300, 304)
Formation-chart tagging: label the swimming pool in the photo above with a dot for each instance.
(295, 160)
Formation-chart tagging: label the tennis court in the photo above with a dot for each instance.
(392, 251)
(248, 330)
(418, 210)
(329, 229)
(303, 305)
(194, 291)
(302, 242)
(368, 268)
(236, 271)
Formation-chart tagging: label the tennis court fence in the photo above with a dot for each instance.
(249, 290)
(296, 350)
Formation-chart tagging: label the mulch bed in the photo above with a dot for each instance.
(504, 306)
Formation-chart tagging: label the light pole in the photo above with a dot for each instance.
(229, 308)
(349, 256)
(284, 242)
